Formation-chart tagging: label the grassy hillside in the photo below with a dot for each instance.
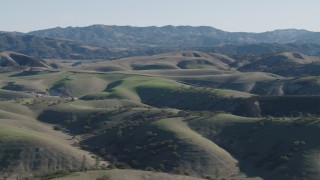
(26, 151)
(78, 85)
(263, 146)
(5, 95)
(30, 148)
(170, 113)
(11, 59)
(125, 175)
(204, 156)
(166, 61)
(138, 137)
(161, 92)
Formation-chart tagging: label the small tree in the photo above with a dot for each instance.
(83, 163)
(97, 163)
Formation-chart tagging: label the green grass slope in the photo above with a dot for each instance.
(167, 61)
(270, 148)
(26, 151)
(78, 85)
(135, 137)
(29, 148)
(161, 92)
(209, 158)
(8, 95)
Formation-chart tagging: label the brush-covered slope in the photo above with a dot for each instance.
(51, 48)
(288, 86)
(143, 138)
(284, 148)
(127, 36)
(210, 157)
(28, 147)
(285, 64)
(11, 59)
(265, 48)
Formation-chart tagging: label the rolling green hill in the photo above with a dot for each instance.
(166, 61)
(178, 115)
(263, 145)
(29, 147)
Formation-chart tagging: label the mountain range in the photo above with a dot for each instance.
(110, 102)
(173, 36)
(110, 42)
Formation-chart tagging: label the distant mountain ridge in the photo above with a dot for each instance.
(113, 42)
(173, 36)
(46, 47)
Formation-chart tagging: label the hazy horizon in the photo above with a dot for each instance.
(227, 15)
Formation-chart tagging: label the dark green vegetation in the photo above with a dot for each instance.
(176, 115)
